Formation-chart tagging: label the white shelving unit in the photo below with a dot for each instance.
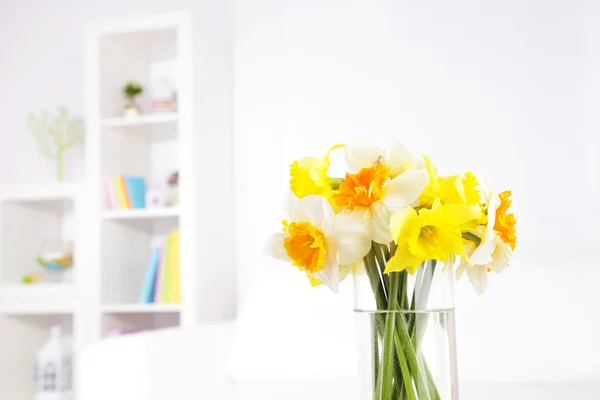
(112, 247)
(151, 146)
(29, 216)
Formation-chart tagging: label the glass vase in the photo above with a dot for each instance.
(405, 330)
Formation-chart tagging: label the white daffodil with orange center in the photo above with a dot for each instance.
(319, 242)
(363, 154)
(497, 240)
(372, 195)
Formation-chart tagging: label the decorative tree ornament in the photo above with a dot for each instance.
(55, 134)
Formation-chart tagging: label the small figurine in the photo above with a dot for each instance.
(55, 258)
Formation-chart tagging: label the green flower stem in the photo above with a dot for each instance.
(407, 381)
(411, 356)
(375, 353)
(374, 279)
(379, 256)
(388, 340)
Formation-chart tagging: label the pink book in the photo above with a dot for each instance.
(111, 194)
(159, 275)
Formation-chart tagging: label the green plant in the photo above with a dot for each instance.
(55, 134)
(132, 90)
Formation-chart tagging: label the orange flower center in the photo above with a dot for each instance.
(363, 188)
(305, 246)
(505, 223)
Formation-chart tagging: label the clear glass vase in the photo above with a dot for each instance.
(405, 331)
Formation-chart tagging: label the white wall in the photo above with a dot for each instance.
(42, 65)
(509, 86)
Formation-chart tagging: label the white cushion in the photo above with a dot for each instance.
(290, 331)
(182, 363)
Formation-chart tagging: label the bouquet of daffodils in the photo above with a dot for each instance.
(389, 216)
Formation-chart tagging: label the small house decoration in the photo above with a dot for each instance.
(55, 134)
(173, 183)
(132, 90)
(54, 367)
(156, 197)
(164, 96)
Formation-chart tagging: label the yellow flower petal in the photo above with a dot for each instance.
(309, 176)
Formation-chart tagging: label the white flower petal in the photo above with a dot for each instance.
(329, 275)
(344, 271)
(360, 154)
(350, 238)
(404, 189)
(493, 203)
(500, 257)
(274, 247)
(312, 209)
(397, 159)
(462, 267)
(478, 277)
(483, 253)
(379, 223)
(486, 185)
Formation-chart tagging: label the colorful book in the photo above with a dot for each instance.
(173, 281)
(111, 194)
(159, 275)
(136, 191)
(121, 192)
(147, 290)
(164, 287)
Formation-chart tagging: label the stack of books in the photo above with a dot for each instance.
(126, 191)
(161, 280)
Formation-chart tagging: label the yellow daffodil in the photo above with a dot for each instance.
(363, 154)
(453, 189)
(428, 234)
(319, 242)
(372, 196)
(309, 176)
(497, 240)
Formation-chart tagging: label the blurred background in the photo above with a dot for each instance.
(509, 87)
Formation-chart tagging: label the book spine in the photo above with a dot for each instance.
(159, 275)
(147, 290)
(164, 295)
(136, 191)
(174, 295)
(122, 192)
(111, 195)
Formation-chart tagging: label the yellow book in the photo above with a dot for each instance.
(121, 190)
(166, 270)
(173, 281)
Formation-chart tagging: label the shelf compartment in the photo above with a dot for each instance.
(22, 338)
(29, 217)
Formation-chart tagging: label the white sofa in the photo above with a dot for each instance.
(191, 363)
(294, 342)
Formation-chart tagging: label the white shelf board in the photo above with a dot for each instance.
(148, 119)
(39, 192)
(141, 213)
(22, 299)
(140, 308)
